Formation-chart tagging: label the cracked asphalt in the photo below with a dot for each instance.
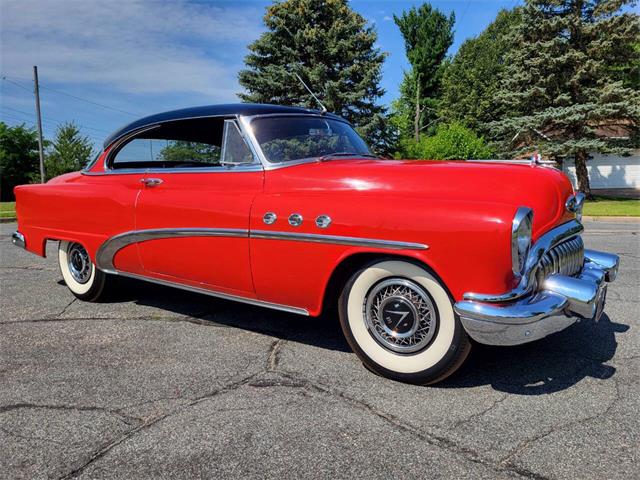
(161, 383)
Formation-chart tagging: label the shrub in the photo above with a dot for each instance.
(450, 142)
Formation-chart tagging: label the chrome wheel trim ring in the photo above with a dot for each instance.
(79, 263)
(400, 315)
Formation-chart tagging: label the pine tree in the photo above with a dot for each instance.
(428, 34)
(70, 151)
(332, 49)
(560, 86)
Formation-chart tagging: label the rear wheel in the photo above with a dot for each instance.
(399, 320)
(80, 274)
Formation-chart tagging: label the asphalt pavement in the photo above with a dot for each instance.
(162, 383)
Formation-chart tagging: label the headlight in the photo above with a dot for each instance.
(521, 239)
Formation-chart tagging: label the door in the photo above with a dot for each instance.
(192, 214)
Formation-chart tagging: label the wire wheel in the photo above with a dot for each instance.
(400, 315)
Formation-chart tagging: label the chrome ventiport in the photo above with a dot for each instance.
(295, 219)
(269, 218)
(323, 221)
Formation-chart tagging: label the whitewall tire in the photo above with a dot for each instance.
(80, 274)
(399, 320)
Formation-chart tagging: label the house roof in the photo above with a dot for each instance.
(230, 109)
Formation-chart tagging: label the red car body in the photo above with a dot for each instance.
(462, 211)
(286, 208)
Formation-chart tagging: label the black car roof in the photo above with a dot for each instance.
(229, 109)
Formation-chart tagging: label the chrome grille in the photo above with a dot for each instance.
(566, 258)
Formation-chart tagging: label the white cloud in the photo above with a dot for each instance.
(135, 47)
(387, 18)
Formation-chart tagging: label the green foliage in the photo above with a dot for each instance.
(451, 142)
(196, 152)
(560, 88)
(332, 49)
(18, 157)
(70, 151)
(472, 79)
(428, 34)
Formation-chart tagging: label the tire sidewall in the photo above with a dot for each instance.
(427, 365)
(88, 290)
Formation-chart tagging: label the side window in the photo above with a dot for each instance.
(180, 144)
(235, 150)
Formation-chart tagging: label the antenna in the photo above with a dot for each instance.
(323, 109)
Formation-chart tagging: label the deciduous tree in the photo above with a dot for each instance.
(18, 158)
(428, 34)
(471, 80)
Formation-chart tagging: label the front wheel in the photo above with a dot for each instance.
(399, 320)
(80, 274)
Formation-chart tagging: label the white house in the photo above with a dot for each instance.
(609, 171)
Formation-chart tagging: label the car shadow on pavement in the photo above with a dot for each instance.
(546, 366)
(549, 365)
(323, 332)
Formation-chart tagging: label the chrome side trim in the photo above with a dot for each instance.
(18, 239)
(527, 281)
(337, 240)
(108, 250)
(213, 293)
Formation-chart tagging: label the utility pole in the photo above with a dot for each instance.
(39, 117)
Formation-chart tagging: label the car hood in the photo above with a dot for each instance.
(543, 189)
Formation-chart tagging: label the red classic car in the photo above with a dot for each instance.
(287, 208)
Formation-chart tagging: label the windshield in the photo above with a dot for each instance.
(284, 139)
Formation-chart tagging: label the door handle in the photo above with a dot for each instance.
(151, 182)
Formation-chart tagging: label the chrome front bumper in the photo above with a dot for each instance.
(558, 303)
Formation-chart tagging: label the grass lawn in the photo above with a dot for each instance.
(7, 209)
(612, 207)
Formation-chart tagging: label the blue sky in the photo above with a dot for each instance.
(134, 58)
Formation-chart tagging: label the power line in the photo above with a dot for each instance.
(4, 77)
(30, 114)
(50, 127)
(464, 12)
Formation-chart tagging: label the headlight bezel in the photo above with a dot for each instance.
(575, 204)
(521, 235)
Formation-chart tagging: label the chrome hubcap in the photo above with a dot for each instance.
(79, 263)
(400, 315)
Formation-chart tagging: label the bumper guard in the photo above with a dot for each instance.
(558, 304)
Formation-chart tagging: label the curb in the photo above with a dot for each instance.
(8, 219)
(612, 219)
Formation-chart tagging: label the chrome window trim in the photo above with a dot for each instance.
(255, 166)
(245, 123)
(537, 251)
